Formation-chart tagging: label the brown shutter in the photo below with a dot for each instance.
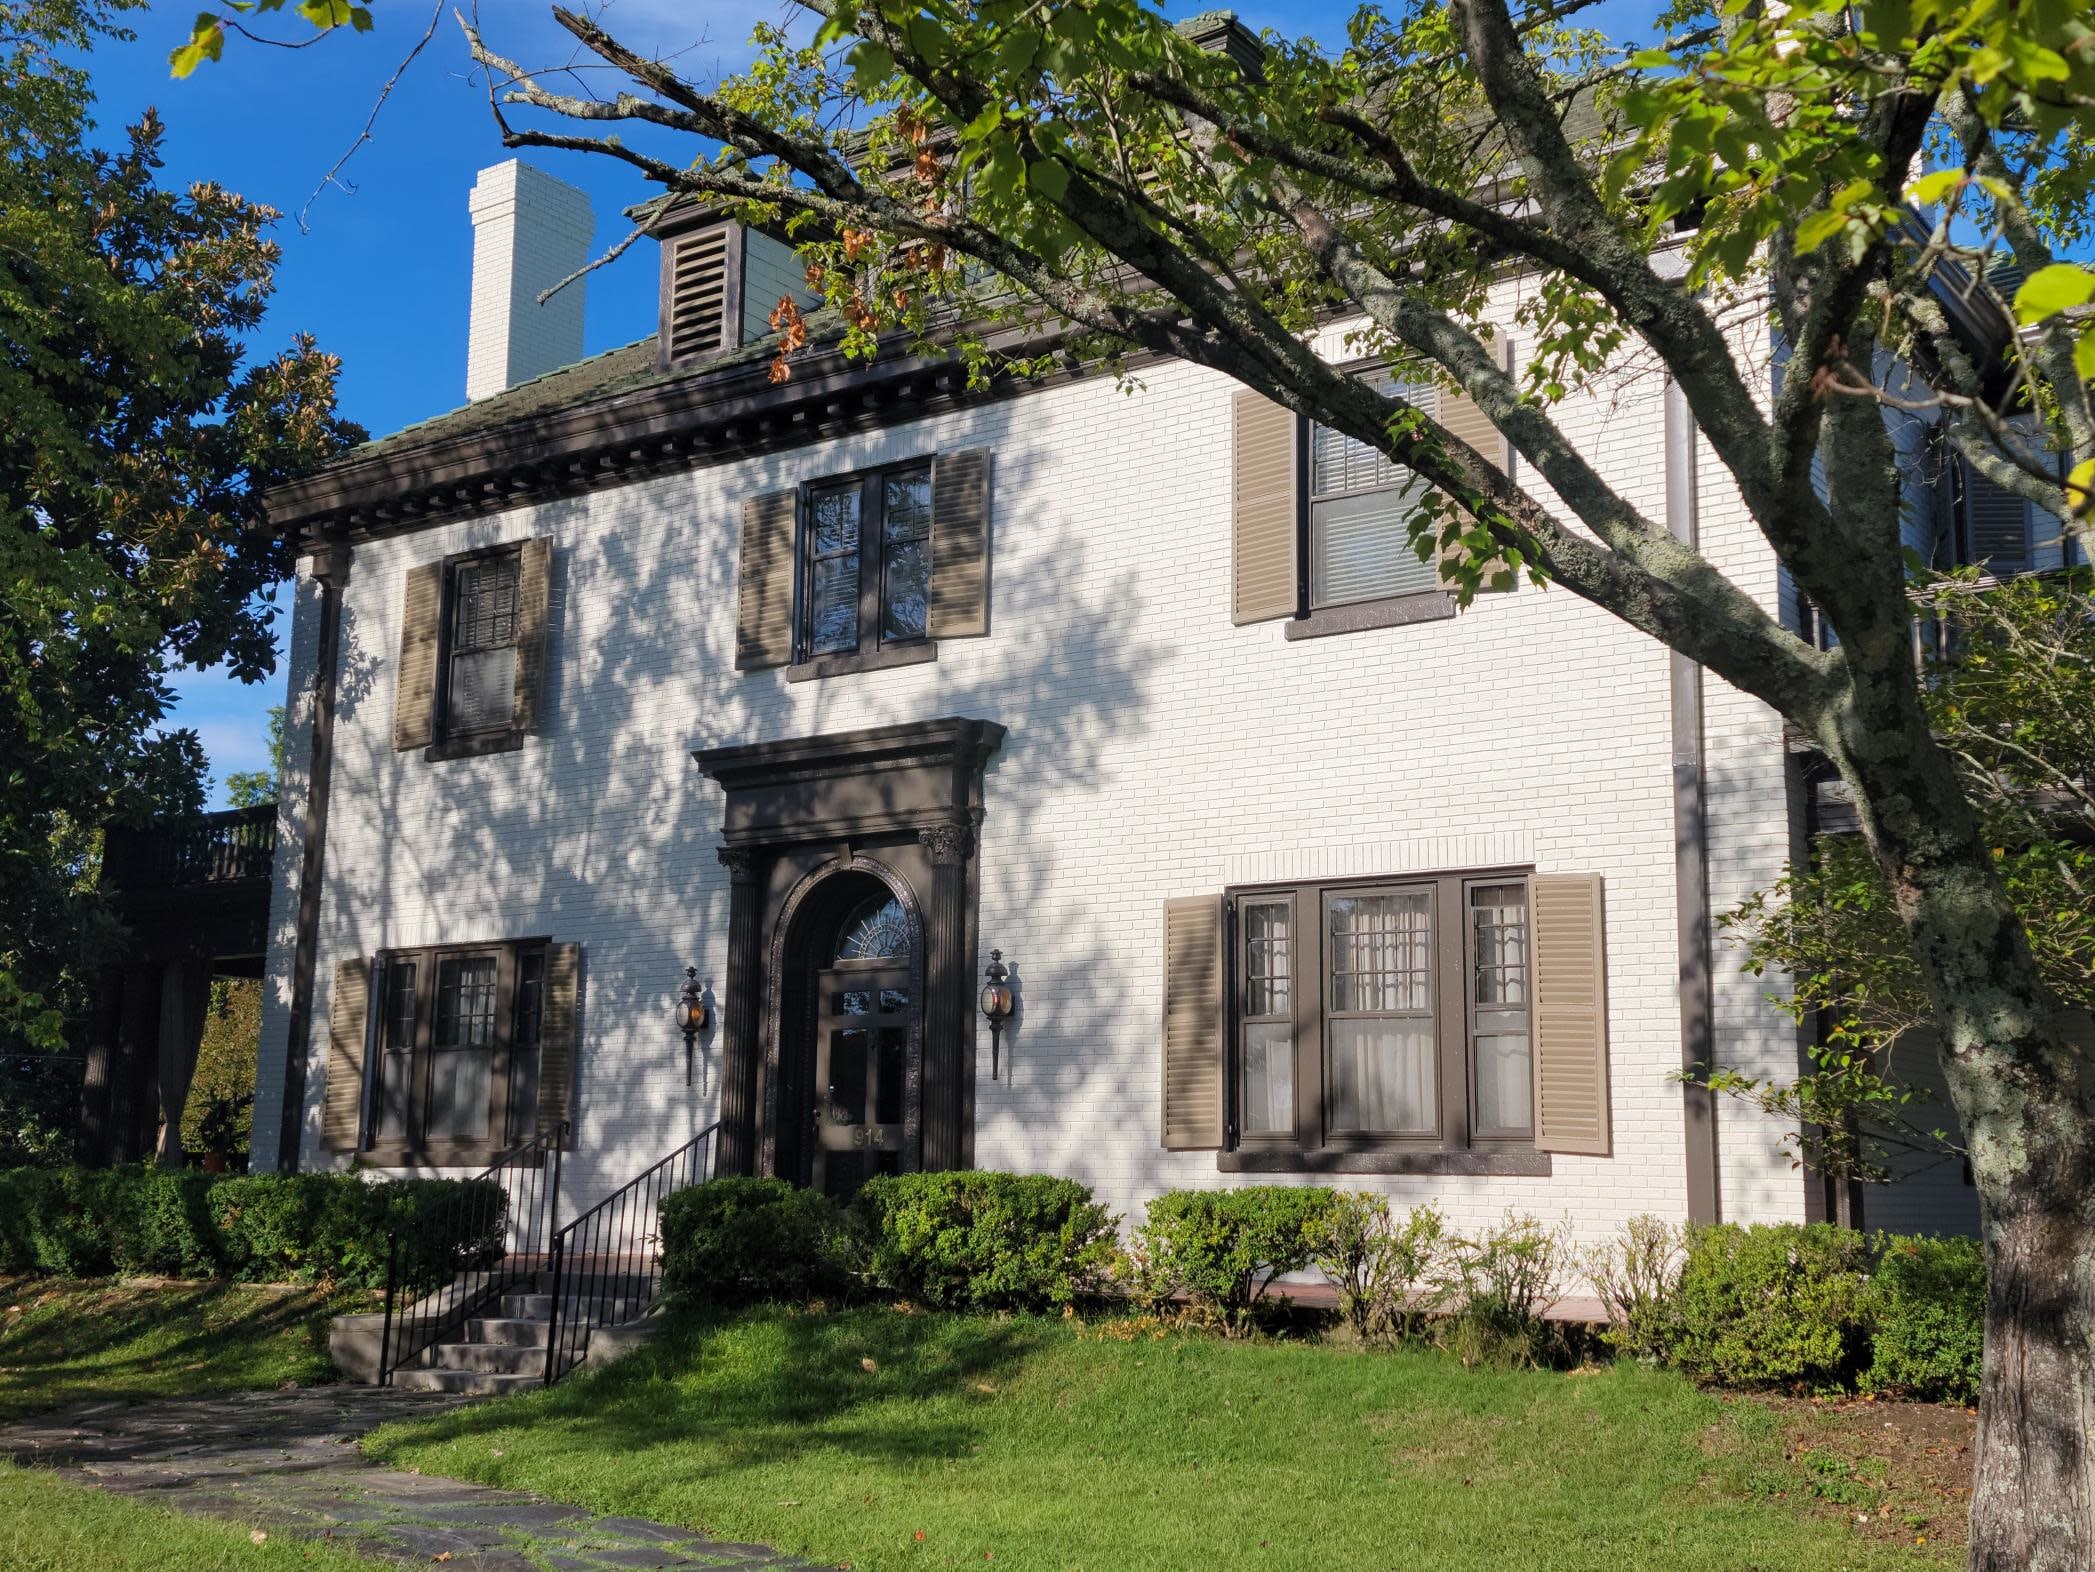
(764, 598)
(348, 1008)
(559, 1035)
(1997, 523)
(533, 574)
(414, 698)
(1571, 1014)
(1193, 1024)
(1460, 414)
(960, 544)
(1263, 509)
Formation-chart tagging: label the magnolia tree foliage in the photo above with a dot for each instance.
(2011, 695)
(135, 434)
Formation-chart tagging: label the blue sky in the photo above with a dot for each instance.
(381, 274)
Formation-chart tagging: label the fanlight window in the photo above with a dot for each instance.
(877, 930)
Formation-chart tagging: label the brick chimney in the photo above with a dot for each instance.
(529, 232)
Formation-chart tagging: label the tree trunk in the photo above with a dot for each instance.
(2014, 1077)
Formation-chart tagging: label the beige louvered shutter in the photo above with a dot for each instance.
(558, 1039)
(348, 1011)
(1263, 506)
(764, 597)
(694, 294)
(534, 573)
(1998, 526)
(1460, 414)
(414, 698)
(960, 544)
(1571, 1014)
(1193, 1024)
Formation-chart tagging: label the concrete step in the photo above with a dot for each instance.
(537, 1307)
(490, 1358)
(480, 1383)
(520, 1331)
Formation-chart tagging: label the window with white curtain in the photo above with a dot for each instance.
(1391, 1013)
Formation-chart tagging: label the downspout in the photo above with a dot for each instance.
(331, 573)
(1698, 1033)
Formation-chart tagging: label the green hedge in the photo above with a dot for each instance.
(985, 1241)
(1221, 1248)
(87, 1222)
(1927, 1318)
(735, 1241)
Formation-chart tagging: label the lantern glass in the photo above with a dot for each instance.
(996, 1001)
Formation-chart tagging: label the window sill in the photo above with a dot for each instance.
(1397, 612)
(1517, 1162)
(844, 665)
(460, 1154)
(474, 747)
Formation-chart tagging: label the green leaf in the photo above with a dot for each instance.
(871, 64)
(1819, 228)
(2053, 289)
(207, 41)
(2033, 62)
(1049, 177)
(1932, 188)
(2084, 356)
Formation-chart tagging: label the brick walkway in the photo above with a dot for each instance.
(288, 1462)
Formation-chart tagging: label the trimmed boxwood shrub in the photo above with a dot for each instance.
(985, 1241)
(1220, 1248)
(1927, 1318)
(736, 1240)
(85, 1222)
(1773, 1305)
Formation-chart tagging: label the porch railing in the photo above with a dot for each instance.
(520, 1206)
(212, 848)
(607, 1263)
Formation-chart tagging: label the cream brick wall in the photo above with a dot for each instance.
(1154, 750)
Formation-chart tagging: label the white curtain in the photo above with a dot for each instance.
(1382, 1074)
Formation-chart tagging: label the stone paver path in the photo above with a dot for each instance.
(288, 1463)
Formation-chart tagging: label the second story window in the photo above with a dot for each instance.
(1359, 545)
(866, 562)
(480, 671)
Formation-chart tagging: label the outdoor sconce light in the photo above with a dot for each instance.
(691, 1017)
(998, 1001)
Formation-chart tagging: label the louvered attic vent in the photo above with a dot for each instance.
(695, 315)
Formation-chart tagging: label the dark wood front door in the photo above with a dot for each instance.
(866, 1016)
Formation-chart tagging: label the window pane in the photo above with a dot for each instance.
(1340, 463)
(396, 1065)
(876, 930)
(1266, 1100)
(481, 695)
(835, 531)
(462, 1058)
(1499, 985)
(1504, 1082)
(845, 1096)
(1360, 549)
(833, 606)
(893, 1047)
(523, 1045)
(906, 506)
(1382, 1074)
(905, 601)
(1381, 952)
(1268, 965)
(458, 1093)
(484, 612)
(465, 1002)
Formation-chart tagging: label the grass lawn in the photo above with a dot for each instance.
(48, 1524)
(63, 1343)
(884, 1440)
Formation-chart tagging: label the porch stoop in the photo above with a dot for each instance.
(506, 1352)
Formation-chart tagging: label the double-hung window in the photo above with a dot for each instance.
(1382, 1014)
(1359, 501)
(866, 563)
(480, 657)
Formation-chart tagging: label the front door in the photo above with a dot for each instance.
(866, 1015)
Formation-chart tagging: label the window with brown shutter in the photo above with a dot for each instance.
(347, 1022)
(473, 651)
(1385, 1025)
(474, 1049)
(1571, 1015)
(1192, 1089)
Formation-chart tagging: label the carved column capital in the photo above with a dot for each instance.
(740, 862)
(947, 843)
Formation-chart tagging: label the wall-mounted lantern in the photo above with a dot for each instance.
(691, 1017)
(999, 998)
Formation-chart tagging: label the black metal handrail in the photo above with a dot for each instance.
(607, 1263)
(521, 1212)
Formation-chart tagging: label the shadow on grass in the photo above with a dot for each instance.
(769, 1384)
(66, 1343)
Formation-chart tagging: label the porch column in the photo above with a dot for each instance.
(947, 989)
(738, 1036)
(98, 1106)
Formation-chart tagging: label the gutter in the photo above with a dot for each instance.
(331, 572)
(1698, 1026)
